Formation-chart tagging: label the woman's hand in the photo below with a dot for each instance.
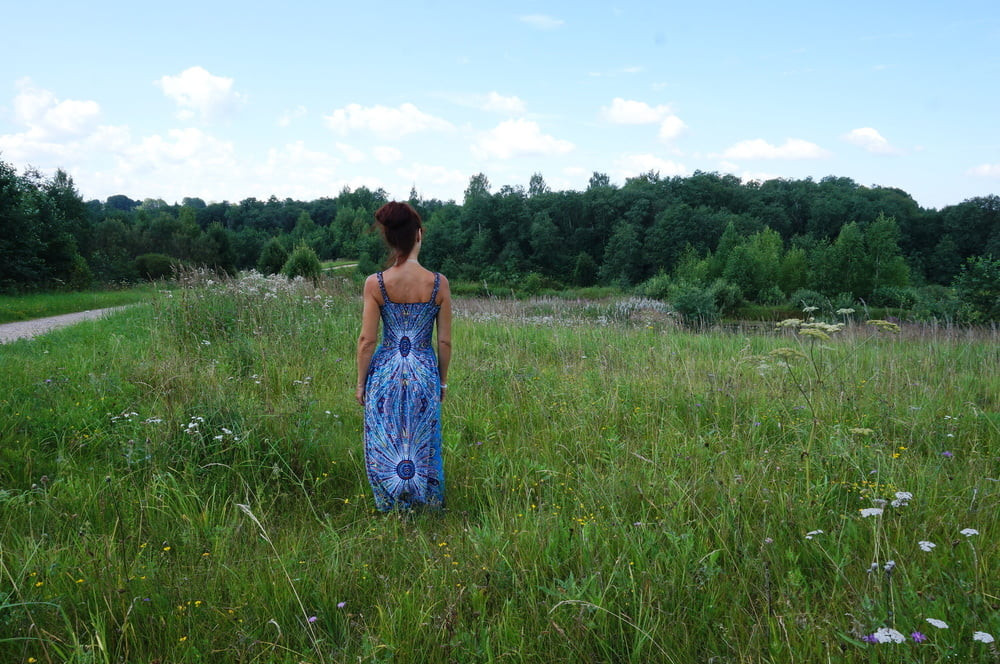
(359, 394)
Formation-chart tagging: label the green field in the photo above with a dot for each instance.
(184, 482)
(27, 307)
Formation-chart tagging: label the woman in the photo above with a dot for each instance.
(402, 383)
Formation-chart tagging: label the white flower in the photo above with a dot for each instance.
(985, 637)
(940, 624)
(888, 635)
(969, 532)
(904, 495)
(871, 511)
(889, 566)
(811, 533)
(925, 545)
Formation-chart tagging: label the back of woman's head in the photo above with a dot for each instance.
(399, 224)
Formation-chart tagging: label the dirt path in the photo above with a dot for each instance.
(27, 329)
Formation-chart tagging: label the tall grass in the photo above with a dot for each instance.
(185, 482)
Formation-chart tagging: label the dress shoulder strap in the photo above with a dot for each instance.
(437, 282)
(381, 287)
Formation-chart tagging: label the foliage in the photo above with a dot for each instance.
(155, 266)
(832, 236)
(303, 262)
(272, 257)
(977, 288)
(696, 304)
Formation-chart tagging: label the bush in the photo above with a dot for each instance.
(896, 297)
(935, 303)
(695, 304)
(656, 288)
(272, 257)
(727, 295)
(154, 266)
(772, 295)
(977, 287)
(80, 274)
(303, 263)
(804, 297)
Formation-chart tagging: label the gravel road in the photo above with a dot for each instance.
(30, 328)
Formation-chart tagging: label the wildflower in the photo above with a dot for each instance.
(984, 637)
(925, 545)
(312, 619)
(341, 605)
(884, 326)
(940, 624)
(871, 511)
(903, 498)
(888, 635)
(968, 532)
(946, 454)
(918, 637)
(816, 334)
(811, 533)
(869, 638)
(889, 566)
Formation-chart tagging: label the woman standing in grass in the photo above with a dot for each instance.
(402, 382)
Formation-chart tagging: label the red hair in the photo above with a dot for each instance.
(399, 224)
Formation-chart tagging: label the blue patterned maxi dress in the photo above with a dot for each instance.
(403, 407)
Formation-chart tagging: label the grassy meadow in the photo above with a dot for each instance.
(184, 482)
(15, 308)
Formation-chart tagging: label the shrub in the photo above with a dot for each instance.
(303, 263)
(695, 304)
(977, 287)
(772, 295)
(935, 303)
(656, 288)
(896, 297)
(727, 295)
(804, 297)
(272, 257)
(154, 266)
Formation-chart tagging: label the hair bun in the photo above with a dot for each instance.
(395, 215)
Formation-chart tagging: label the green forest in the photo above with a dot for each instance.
(707, 241)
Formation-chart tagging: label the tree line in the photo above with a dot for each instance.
(757, 241)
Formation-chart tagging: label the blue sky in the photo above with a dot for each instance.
(226, 100)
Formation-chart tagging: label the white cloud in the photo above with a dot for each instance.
(870, 140)
(423, 174)
(758, 148)
(290, 115)
(190, 148)
(986, 170)
(353, 154)
(631, 112)
(386, 155)
(497, 103)
(197, 92)
(384, 121)
(47, 117)
(636, 164)
(513, 138)
(541, 21)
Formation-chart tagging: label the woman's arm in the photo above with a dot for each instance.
(444, 333)
(369, 334)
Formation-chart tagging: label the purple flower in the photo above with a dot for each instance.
(313, 619)
(341, 605)
(918, 637)
(947, 454)
(869, 638)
